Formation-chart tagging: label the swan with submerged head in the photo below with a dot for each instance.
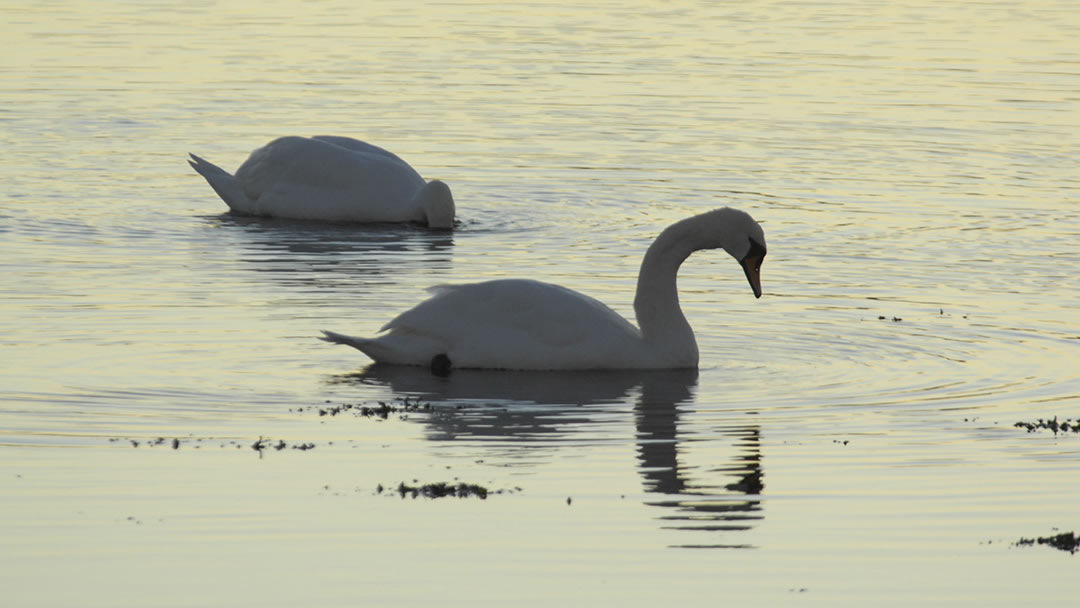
(529, 325)
(328, 178)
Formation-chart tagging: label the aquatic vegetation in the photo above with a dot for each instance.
(1066, 541)
(1066, 426)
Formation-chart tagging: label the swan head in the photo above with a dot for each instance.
(742, 237)
(438, 204)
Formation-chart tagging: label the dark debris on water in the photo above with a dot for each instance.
(153, 443)
(441, 489)
(267, 444)
(1066, 541)
(1066, 426)
(382, 410)
(263, 443)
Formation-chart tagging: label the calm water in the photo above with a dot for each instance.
(848, 439)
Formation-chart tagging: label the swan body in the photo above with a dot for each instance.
(329, 178)
(530, 325)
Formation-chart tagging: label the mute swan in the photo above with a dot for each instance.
(528, 325)
(330, 178)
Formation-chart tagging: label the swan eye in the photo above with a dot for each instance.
(756, 253)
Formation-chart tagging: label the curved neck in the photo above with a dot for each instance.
(656, 304)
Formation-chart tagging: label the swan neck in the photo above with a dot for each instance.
(437, 203)
(660, 317)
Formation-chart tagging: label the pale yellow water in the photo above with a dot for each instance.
(915, 161)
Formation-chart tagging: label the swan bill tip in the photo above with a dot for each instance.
(752, 268)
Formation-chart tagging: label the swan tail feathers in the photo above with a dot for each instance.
(222, 182)
(336, 338)
(399, 347)
(369, 347)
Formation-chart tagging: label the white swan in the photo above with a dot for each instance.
(330, 178)
(529, 325)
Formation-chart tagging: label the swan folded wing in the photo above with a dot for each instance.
(355, 145)
(312, 179)
(523, 324)
(299, 163)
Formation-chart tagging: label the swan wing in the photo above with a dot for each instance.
(314, 162)
(362, 147)
(521, 324)
(307, 178)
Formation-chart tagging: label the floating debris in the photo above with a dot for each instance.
(1066, 541)
(441, 489)
(263, 443)
(381, 411)
(1066, 426)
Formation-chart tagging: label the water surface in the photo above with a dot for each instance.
(848, 439)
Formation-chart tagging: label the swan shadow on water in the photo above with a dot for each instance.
(527, 407)
(302, 252)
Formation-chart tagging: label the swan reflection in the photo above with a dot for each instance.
(312, 253)
(523, 407)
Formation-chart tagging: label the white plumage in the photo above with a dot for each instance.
(331, 179)
(530, 325)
